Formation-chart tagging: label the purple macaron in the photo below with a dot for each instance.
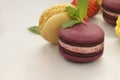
(111, 10)
(83, 42)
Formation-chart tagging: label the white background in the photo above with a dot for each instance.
(26, 56)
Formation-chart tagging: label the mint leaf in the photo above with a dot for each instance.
(79, 13)
(72, 11)
(82, 7)
(34, 29)
(70, 23)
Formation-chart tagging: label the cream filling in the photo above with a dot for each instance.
(85, 50)
(110, 13)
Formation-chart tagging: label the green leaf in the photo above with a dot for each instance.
(70, 23)
(78, 13)
(34, 29)
(72, 11)
(82, 7)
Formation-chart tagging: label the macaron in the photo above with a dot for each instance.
(51, 20)
(117, 27)
(111, 10)
(82, 42)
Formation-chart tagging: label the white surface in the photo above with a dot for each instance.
(25, 56)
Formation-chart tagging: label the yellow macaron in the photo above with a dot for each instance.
(51, 20)
(117, 28)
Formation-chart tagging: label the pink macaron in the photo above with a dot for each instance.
(111, 10)
(82, 42)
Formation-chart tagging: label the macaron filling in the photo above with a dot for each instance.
(111, 13)
(85, 50)
(80, 55)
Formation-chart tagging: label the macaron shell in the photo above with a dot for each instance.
(84, 33)
(52, 11)
(51, 27)
(113, 4)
